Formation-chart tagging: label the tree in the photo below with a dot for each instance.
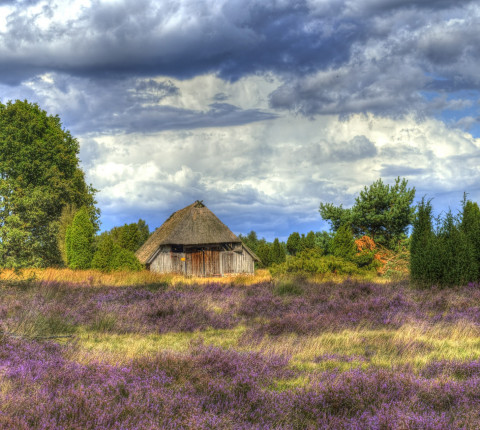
(457, 256)
(103, 253)
(277, 252)
(343, 244)
(294, 243)
(309, 241)
(446, 255)
(323, 240)
(470, 226)
(381, 211)
(111, 256)
(39, 176)
(65, 220)
(264, 253)
(123, 259)
(131, 236)
(251, 240)
(423, 247)
(79, 241)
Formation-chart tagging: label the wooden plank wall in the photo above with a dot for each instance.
(235, 262)
(216, 262)
(168, 262)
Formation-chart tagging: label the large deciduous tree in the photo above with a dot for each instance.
(381, 211)
(39, 176)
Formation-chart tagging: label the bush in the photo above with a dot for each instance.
(123, 259)
(312, 261)
(110, 256)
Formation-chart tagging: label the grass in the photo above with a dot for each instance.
(124, 347)
(411, 346)
(145, 278)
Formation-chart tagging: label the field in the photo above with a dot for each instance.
(85, 351)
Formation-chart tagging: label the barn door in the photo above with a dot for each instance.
(202, 262)
(194, 262)
(212, 262)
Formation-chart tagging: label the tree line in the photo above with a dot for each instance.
(49, 217)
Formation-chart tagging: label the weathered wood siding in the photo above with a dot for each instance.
(236, 262)
(202, 262)
(167, 261)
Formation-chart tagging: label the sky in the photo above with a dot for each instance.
(260, 108)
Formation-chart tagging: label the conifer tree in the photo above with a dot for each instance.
(470, 226)
(457, 258)
(124, 259)
(309, 240)
(423, 249)
(293, 243)
(79, 241)
(264, 253)
(277, 252)
(343, 243)
(103, 254)
(66, 219)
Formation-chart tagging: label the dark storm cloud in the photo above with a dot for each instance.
(389, 5)
(393, 171)
(160, 118)
(128, 106)
(179, 39)
(336, 57)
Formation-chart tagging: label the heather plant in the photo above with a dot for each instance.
(353, 354)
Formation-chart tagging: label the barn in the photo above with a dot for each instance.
(194, 242)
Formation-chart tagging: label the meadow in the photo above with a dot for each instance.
(99, 351)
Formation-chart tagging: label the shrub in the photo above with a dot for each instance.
(312, 261)
(110, 256)
(123, 259)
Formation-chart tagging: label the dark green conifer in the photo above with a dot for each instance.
(79, 240)
(293, 243)
(278, 252)
(343, 243)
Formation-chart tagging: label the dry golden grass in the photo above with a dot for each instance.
(98, 278)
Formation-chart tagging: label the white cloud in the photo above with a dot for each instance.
(283, 168)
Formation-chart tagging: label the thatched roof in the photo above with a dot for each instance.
(193, 225)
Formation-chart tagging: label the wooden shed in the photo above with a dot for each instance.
(194, 242)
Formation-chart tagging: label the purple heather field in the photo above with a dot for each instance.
(50, 383)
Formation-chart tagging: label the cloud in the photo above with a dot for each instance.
(180, 39)
(264, 176)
